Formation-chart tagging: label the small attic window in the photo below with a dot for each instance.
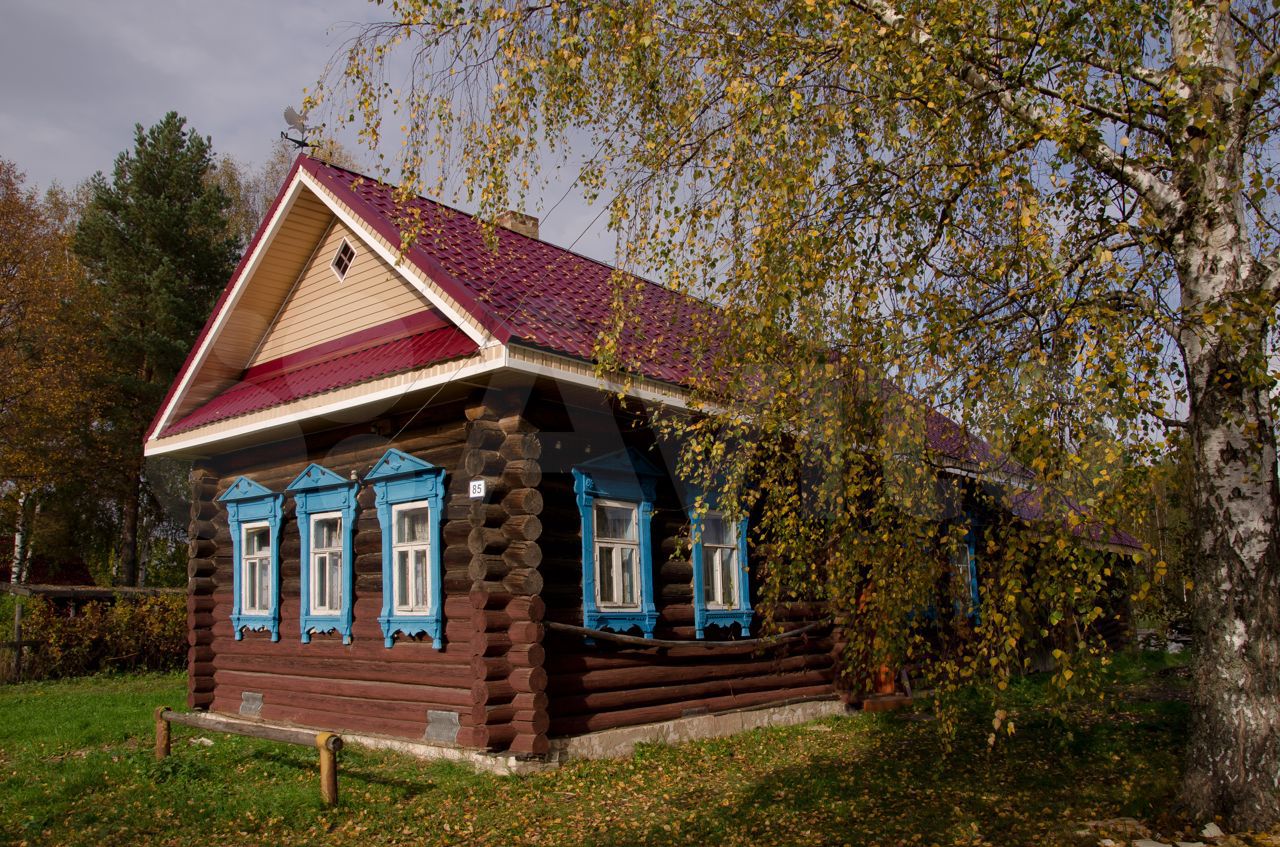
(343, 258)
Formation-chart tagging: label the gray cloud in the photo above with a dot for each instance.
(75, 77)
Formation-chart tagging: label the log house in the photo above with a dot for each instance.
(406, 474)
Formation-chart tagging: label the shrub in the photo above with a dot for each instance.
(146, 633)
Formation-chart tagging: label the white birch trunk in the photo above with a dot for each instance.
(1233, 755)
(21, 539)
(1233, 765)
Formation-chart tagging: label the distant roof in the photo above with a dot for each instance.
(1029, 505)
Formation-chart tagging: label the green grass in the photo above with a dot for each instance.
(76, 768)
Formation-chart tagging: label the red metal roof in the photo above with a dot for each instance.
(529, 290)
(350, 360)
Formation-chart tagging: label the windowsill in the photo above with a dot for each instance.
(255, 621)
(621, 620)
(410, 624)
(318, 624)
(706, 617)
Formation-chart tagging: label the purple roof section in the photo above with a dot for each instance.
(958, 444)
(1028, 504)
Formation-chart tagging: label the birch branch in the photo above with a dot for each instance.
(1159, 194)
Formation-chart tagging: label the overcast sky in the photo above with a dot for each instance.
(75, 77)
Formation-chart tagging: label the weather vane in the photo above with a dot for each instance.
(295, 122)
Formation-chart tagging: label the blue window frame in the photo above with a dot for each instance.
(615, 495)
(326, 511)
(966, 566)
(721, 592)
(410, 500)
(254, 514)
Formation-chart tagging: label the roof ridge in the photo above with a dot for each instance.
(476, 217)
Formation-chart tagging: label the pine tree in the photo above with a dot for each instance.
(157, 240)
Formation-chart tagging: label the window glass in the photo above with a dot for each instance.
(264, 586)
(963, 565)
(257, 541)
(419, 593)
(727, 559)
(343, 258)
(616, 521)
(604, 576)
(402, 574)
(411, 526)
(325, 536)
(255, 574)
(628, 575)
(326, 564)
(715, 530)
(411, 544)
(335, 580)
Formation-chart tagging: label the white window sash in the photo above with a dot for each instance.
(326, 568)
(613, 548)
(724, 592)
(413, 583)
(252, 567)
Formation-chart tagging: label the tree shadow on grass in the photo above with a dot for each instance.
(901, 783)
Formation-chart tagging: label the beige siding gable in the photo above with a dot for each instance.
(321, 307)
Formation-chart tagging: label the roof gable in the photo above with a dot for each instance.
(248, 326)
(322, 306)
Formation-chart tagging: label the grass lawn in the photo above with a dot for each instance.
(76, 767)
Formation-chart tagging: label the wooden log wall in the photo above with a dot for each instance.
(510, 560)
(359, 687)
(201, 580)
(497, 538)
(602, 686)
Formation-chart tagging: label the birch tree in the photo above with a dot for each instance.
(1055, 221)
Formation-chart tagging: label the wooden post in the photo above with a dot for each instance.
(325, 744)
(162, 733)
